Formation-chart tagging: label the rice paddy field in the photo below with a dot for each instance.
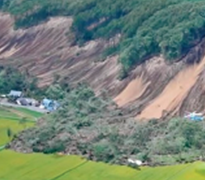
(18, 166)
(10, 119)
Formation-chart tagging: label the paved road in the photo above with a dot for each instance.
(26, 107)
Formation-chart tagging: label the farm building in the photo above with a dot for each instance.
(27, 102)
(50, 105)
(22, 101)
(15, 94)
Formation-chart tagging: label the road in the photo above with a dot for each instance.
(26, 107)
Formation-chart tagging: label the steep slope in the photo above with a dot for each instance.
(166, 89)
(47, 50)
(174, 93)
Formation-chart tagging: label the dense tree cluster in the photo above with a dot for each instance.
(148, 27)
(13, 79)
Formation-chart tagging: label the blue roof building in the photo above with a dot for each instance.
(50, 105)
(195, 116)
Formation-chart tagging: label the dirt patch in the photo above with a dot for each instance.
(174, 93)
(132, 92)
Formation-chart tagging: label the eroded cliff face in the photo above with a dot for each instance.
(47, 50)
(152, 90)
(163, 89)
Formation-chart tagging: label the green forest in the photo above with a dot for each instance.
(147, 27)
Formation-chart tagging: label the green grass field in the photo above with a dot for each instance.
(14, 126)
(53, 167)
(18, 166)
(9, 119)
(29, 112)
(12, 113)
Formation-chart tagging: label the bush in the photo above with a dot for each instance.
(57, 146)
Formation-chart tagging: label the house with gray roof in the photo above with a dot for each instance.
(16, 94)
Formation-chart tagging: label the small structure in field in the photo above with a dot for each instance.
(194, 116)
(135, 162)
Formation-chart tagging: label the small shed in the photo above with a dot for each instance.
(16, 94)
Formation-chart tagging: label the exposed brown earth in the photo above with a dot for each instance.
(174, 93)
(152, 90)
(46, 50)
(133, 91)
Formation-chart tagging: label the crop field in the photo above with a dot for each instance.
(12, 113)
(29, 113)
(18, 166)
(56, 167)
(14, 126)
(10, 119)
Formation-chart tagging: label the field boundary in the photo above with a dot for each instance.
(74, 168)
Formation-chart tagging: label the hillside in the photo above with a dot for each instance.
(82, 41)
(124, 73)
(145, 28)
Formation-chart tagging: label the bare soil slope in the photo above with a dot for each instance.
(174, 93)
(152, 90)
(47, 50)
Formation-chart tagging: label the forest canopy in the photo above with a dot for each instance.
(147, 27)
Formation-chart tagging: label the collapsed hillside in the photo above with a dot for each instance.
(47, 51)
(147, 55)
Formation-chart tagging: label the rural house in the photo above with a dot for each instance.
(15, 94)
